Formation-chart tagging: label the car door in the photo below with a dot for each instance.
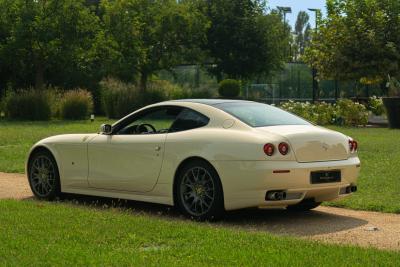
(130, 158)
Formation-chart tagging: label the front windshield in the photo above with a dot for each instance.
(260, 115)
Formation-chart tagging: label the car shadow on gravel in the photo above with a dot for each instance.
(277, 221)
(283, 222)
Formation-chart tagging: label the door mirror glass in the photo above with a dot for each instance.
(106, 129)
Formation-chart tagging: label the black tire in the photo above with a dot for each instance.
(305, 205)
(43, 175)
(203, 200)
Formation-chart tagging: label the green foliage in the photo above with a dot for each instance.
(351, 113)
(76, 105)
(46, 42)
(375, 104)
(319, 113)
(152, 35)
(28, 105)
(344, 112)
(118, 98)
(393, 86)
(229, 88)
(77, 43)
(201, 93)
(244, 41)
(302, 34)
(170, 90)
(358, 41)
(379, 153)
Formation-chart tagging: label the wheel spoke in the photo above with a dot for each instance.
(43, 175)
(197, 191)
(205, 203)
(194, 176)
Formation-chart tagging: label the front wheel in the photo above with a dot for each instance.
(199, 192)
(43, 175)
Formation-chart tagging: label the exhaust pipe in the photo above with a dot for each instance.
(275, 195)
(351, 189)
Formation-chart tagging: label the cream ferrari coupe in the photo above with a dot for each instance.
(203, 156)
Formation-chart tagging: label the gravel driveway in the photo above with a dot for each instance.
(332, 225)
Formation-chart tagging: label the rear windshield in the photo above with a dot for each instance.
(260, 115)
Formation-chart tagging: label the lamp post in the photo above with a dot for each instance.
(315, 93)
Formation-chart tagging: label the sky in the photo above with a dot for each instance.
(299, 5)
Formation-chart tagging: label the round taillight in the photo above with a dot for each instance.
(269, 149)
(283, 148)
(355, 145)
(351, 145)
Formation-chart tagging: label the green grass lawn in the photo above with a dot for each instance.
(379, 183)
(64, 234)
(16, 138)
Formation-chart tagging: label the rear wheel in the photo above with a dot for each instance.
(199, 192)
(305, 205)
(43, 175)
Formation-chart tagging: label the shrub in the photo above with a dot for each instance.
(350, 113)
(168, 89)
(150, 96)
(320, 113)
(345, 112)
(201, 93)
(175, 91)
(28, 105)
(323, 113)
(118, 98)
(229, 88)
(76, 105)
(375, 105)
(299, 108)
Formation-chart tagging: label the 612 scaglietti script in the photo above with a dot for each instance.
(203, 156)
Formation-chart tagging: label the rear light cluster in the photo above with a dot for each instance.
(269, 149)
(353, 146)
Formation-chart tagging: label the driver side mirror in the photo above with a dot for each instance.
(106, 129)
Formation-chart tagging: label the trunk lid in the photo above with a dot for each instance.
(311, 143)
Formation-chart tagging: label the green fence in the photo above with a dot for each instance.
(293, 82)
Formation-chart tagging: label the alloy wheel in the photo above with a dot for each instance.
(197, 191)
(42, 175)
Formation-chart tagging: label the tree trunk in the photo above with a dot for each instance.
(143, 82)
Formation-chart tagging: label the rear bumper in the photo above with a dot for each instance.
(245, 183)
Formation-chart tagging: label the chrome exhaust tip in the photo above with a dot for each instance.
(275, 195)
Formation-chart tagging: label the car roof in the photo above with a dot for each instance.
(211, 102)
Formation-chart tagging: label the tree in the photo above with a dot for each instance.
(359, 40)
(302, 32)
(46, 41)
(153, 35)
(243, 41)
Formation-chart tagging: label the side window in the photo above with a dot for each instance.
(189, 119)
(153, 122)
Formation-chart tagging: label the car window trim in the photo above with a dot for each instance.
(195, 111)
(120, 125)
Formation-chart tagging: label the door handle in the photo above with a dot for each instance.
(158, 148)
